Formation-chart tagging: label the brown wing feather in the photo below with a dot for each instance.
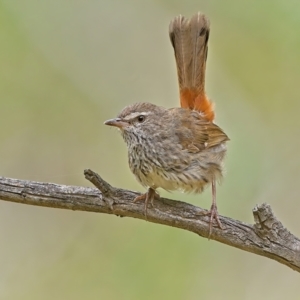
(194, 132)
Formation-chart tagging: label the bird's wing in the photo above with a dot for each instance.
(194, 132)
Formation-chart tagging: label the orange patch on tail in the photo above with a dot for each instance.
(194, 100)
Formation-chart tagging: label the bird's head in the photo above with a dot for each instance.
(138, 121)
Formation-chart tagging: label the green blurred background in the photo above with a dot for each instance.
(66, 66)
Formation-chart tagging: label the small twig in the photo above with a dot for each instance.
(267, 237)
(106, 189)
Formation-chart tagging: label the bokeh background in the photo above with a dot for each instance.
(66, 67)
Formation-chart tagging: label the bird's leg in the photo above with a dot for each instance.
(213, 212)
(149, 196)
(213, 209)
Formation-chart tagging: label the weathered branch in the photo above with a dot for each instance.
(267, 237)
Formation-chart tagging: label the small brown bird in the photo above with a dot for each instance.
(178, 148)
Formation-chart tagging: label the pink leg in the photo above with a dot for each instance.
(149, 196)
(213, 209)
(213, 212)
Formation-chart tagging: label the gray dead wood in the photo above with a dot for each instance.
(266, 237)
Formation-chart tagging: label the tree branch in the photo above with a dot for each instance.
(267, 237)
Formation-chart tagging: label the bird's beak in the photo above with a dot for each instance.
(117, 122)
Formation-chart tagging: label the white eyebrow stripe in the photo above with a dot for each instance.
(136, 114)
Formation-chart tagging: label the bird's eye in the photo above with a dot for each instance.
(141, 118)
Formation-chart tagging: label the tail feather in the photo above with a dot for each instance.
(189, 38)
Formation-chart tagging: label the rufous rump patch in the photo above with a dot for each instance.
(195, 100)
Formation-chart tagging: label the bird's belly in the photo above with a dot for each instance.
(170, 181)
(189, 177)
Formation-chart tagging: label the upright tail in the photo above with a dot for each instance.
(189, 38)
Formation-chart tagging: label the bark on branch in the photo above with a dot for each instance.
(266, 237)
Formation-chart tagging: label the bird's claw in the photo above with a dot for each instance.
(148, 197)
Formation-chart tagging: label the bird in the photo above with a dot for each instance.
(178, 148)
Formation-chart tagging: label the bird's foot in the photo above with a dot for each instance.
(214, 215)
(148, 197)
